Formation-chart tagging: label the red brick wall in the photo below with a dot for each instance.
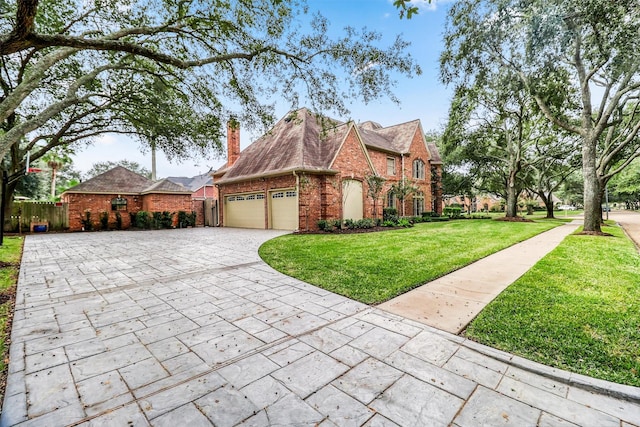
(97, 203)
(158, 202)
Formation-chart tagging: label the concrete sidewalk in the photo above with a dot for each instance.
(451, 302)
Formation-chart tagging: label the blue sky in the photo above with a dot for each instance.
(422, 97)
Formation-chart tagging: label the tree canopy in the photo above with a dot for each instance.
(172, 72)
(579, 61)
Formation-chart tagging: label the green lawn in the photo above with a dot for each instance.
(577, 309)
(374, 267)
(10, 253)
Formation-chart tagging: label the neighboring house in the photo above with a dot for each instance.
(203, 196)
(124, 191)
(308, 168)
(201, 186)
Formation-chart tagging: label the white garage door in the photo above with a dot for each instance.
(244, 210)
(352, 202)
(284, 210)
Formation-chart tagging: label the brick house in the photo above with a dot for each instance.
(308, 168)
(203, 195)
(124, 191)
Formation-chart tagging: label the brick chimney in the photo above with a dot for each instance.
(233, 141)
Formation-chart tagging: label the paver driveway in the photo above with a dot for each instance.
(189, 327)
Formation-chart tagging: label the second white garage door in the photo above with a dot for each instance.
(284, 210)
(244, 210)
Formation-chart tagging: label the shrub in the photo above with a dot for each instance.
(182, 219)
(404, 222)
(390, 214)
(349, 224)
(143, 220)
(452, 211)
(156, 221)
(166, 220)
(364, 223)
(104, 220)
(325, 225)
(191, 219)
(337, 224)
(118, 221)
(389, 223)
(87, 225)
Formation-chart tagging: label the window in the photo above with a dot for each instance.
(391, 166)
(259, 196)
(239, 198)
(291, 194)
(279, 195)
(391, 200)
(231, 199)
(418, 204)
(251, 197)
(418, 169)
(119, 204)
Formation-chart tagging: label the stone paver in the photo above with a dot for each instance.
(190, 327)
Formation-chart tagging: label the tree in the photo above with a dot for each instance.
(102, 167)
(55, 160)
(375, 185)
(172, 72)
(579, 61)
(402, 190)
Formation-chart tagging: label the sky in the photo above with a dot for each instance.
(421, 97)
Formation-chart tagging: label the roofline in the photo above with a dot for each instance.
(144, 193)
(100, 192)
(282, 172)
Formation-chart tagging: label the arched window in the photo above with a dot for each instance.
(118, 204)
(418, 203)
(418, 169)
(391, 200)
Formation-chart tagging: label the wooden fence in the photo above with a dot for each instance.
(55, 215)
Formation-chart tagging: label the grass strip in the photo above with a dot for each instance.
(577, 309)
(375, 267)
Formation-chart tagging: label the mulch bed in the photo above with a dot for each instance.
(513, 219)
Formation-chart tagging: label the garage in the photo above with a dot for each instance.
(244, 210)
(284, 210)
(352, 201)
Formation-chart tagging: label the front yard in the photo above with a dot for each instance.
(375, 267)
(10, 253)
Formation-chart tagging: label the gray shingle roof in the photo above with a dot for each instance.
(121, 180)
(303, 141)
(194, 183)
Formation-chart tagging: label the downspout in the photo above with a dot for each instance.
(298, 193)
(218, 207)
(403, 183)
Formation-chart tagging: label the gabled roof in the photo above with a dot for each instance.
(117, 180)
(194, 183)
(301, 141)
(394, 139)
(435, 154)
(121, 180)
(165, 186)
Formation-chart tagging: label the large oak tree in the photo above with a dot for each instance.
(580, 61)
(172, 72)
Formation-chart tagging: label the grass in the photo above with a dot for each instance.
(577, 309)
(10, 253)
(375, 267)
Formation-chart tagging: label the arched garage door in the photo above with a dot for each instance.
(244, 210)
(352, 202)
(284, 210)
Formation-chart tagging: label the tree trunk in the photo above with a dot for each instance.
(512, 197)
(548, 203)
(8, 203)
(53, 183)
(592, 199)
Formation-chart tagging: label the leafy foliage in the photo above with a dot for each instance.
(102, 167)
